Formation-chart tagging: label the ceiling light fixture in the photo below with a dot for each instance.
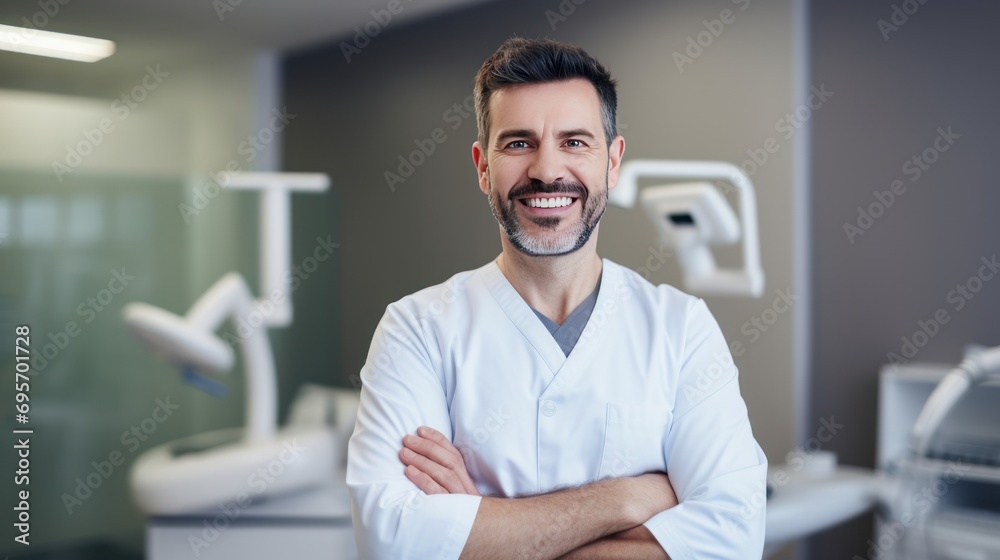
(56, 45)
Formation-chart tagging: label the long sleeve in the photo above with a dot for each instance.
(401, 391)
(715, 465)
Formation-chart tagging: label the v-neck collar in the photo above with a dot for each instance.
(568, 333)
(534, 331)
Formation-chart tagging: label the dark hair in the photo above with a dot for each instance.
(526, 61)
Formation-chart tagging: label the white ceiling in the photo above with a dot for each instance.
(266, 24)
(179, 33)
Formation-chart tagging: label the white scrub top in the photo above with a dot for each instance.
(649, 386)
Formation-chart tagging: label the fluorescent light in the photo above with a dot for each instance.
(57, 45)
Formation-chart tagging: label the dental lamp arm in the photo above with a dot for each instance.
(230, 297)
(225, 298)
(975, 368)
(626, 193)
(276, 233)
(255, 346)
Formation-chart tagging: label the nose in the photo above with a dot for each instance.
(547, 165)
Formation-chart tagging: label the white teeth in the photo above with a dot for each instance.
(556, 202)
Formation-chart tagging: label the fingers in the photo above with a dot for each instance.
(423, 481)
(441, 476)
(438, 438)
(443, 442)
(442, 463)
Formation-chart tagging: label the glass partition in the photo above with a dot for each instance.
(72, 254)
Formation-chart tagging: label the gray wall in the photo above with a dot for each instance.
(937, 70)
(358, 117)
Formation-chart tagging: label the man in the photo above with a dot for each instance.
(539, 402)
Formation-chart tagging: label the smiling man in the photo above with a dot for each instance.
(552, 404)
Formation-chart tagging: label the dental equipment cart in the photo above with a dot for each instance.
(949, 502)
(313, 524)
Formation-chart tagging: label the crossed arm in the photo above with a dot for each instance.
(714, 463)
(599, 520)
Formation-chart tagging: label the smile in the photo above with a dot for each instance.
(550, 202)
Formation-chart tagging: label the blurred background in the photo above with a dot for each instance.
(107, 196)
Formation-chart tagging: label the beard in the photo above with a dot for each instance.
(549, 245)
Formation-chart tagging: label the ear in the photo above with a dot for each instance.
(615, 153)
(479, 160)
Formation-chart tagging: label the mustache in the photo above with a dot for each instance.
(538, 187)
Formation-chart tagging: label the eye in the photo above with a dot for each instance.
(518, 144)
(575, 143)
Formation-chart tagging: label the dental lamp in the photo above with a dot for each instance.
(689, 217)
(190, 343)
(978, 365)
(206, 469)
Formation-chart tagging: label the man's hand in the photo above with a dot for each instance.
(434, 464)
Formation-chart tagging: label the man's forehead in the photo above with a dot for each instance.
(574, 99)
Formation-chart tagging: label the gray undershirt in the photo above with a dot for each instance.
(569, 332)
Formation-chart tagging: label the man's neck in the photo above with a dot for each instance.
(554, 286)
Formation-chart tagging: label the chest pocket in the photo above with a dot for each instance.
(633, 441)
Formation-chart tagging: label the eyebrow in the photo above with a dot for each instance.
(577, 132)
(514, 133)
(526, 133)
